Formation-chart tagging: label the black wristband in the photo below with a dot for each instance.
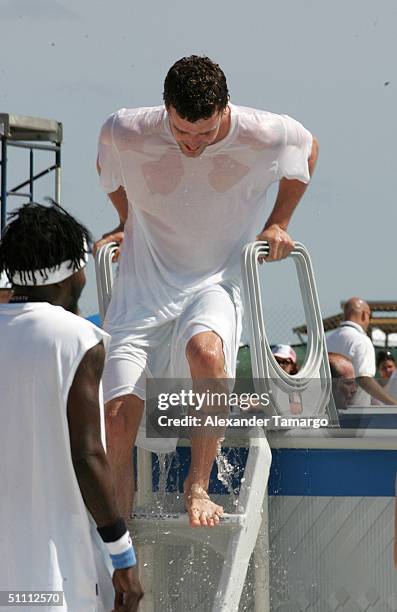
(112, 533)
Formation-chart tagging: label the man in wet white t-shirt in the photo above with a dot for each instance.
(189, 181)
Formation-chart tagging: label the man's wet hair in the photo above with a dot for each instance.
(196, 88)
(38, 237)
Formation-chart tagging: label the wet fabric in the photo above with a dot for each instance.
(189, 218)
(160, 352)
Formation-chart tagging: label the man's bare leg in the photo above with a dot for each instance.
(122, 416)
(204, 353)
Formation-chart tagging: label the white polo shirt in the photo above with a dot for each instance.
(351, 340)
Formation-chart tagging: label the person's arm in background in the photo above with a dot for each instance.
(94, 474)
(289, 194)
(371, 386)
(365, 368)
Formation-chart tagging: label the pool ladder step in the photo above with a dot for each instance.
(234, 538)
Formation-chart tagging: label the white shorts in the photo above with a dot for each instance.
(160, 351)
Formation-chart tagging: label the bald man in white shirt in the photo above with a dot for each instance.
(351, 340)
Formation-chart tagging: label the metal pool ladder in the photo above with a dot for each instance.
(244, 532)
(313, 380)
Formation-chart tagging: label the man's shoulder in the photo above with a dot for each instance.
(64, 326)
(355, 331)
(334, 336)
(341, 335)
(139, 119)
(77, 323)
(249, 111)
(260, 124)
(350, 334)
(256, 115)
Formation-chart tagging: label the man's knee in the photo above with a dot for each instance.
(122, 417)
(204, 353)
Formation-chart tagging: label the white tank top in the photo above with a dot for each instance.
(47, 541)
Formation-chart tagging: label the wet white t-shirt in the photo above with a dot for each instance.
(189, 218)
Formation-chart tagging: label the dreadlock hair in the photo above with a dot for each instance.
(38, 237)
(196, 87)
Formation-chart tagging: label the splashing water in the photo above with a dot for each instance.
(161, 497)
(165, 461)
(188, 572)
(226, 474)
(230, 472)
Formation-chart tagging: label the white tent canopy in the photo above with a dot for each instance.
(379, 338)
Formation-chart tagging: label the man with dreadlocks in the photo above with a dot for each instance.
(189, 181)
(53, 463)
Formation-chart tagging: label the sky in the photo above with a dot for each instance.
(331, 65)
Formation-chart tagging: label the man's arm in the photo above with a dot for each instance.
(371, 386)
(91, 465)
(120, 202)
(289, 194)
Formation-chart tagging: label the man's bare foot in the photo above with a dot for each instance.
(201, 510)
